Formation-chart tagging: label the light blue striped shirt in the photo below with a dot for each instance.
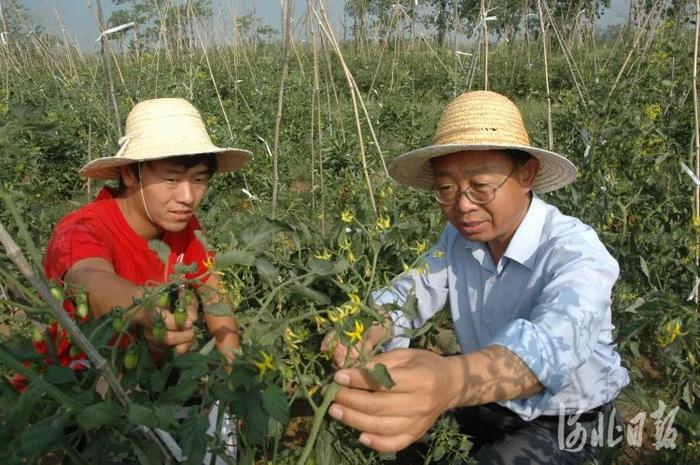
(547, 300)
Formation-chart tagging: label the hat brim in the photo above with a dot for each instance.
(413, 168)
(107, 168)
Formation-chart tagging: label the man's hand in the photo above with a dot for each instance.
(427, 384)
(391, 419)
(179, 337)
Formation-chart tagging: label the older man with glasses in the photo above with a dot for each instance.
(529, 291)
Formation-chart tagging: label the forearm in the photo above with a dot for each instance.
(489, 375)
(225, 331)
(105, 289)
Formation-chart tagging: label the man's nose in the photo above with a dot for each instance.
(185, 193)
(464, 204)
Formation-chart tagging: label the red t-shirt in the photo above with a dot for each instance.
(99, 230)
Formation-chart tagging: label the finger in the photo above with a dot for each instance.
(404, 377)
(182, 349)
(370, 423)
(193, 311)
(381, 403)
(328, 340)
(172, 338)
(171, 325)
(148, 335)
(340, 353)
(387, 443)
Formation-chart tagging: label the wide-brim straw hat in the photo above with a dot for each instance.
(481, 120)
(164, 128)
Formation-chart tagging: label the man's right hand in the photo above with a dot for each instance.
(179, 338)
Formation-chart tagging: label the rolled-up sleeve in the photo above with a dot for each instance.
(564, 326)
(427, 281)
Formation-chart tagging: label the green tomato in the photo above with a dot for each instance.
(180, 316)
(159, 330)
(56, 292)
(131, 358)
(82, 310)
(118, 324)
(164, 299)
(188, 297)
(74, 351)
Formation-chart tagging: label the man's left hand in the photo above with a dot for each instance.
(391, 419)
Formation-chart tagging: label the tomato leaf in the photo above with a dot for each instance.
(266, 269)
(161, 249)
(97, 415)
(275, 403)
(235, 257)
(381, 375)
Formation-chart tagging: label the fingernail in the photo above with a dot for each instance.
(365, 440)
(342, 378)
(336, 412)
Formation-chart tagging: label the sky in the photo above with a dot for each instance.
(79, 16)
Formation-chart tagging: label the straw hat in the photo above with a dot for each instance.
(481, 120)
(164, 128)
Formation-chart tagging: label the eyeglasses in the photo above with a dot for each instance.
(481, 194)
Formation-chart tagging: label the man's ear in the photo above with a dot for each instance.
(128, 177)
(528, 172)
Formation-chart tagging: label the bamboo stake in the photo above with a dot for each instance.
(543, 33)
(568, 57)
(697, 136)
(316, 110)
(635, 44)
(280, 102)
(55, 308)
(486, 45)
(108, 66)
(354, 93)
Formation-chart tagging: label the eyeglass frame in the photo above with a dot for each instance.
(460, 193)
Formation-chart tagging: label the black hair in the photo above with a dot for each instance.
(209, 159)
(518, 157)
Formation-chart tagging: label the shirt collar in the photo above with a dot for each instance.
(525, 241)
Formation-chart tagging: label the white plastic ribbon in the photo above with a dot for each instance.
(114, 29)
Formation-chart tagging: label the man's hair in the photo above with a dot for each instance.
(518, 157)
(188, 161)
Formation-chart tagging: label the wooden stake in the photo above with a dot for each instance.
(280, 100)
(697, 136)
(108, 66)
(543, 33)
(486, 45)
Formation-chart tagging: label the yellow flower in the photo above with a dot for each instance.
(326, 255)
(351, 257)
(437, 253)
(652, 111)
(293, 340)
(672, 330)
(347, 216)
(320, 322)
(356, 335)
(383, 223)
(419, 247)
(265, 364)
(354, 298)
(209, 263)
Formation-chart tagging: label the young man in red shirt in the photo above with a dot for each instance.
(163, 166)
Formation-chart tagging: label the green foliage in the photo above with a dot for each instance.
(294, 278)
